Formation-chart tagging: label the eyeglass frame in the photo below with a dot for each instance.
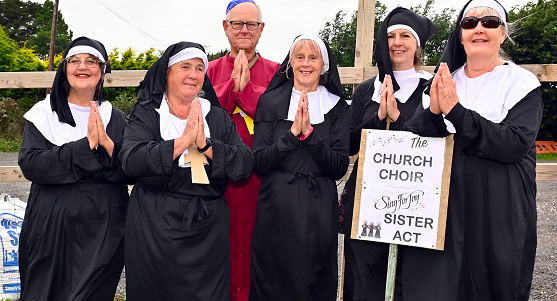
(478, 20)
(244, 23)
(97, 61)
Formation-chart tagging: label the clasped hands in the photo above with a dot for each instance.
(301, 123)
(443, 91)
(387, 104)
(195, 128)
(240, 73)
(96, 134)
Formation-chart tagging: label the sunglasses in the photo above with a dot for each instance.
(487, 22)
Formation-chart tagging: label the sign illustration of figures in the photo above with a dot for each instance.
(402, 189)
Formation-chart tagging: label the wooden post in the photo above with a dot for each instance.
(364, 33)
(52, 50)
(391, 273)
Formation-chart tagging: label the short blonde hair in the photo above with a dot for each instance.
(300, 44)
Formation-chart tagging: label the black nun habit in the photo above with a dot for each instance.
(72, 240)
(366, 262)
(179, 230)
(294, 247)
(490, 242)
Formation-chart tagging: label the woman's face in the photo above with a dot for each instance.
(402, 48)
(307, 64)
(83, 72)
(185, 79)
(481, 42)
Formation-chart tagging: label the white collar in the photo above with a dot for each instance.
(493, 94)
(320, 103)
(59, 133)
(408, 81)
(172, 127)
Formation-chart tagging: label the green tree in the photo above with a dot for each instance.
(30, 23)
(535, 31)
(14, 58)
(125, 97)
(216, 55)
(16, 16)
(41, 38)
(445, 22)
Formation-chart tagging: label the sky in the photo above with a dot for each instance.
(142, 24)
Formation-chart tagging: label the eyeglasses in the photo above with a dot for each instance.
(487, 22)
(239, 24)
(89, 62)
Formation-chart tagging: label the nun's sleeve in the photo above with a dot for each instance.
(232, 159)
(141, 154)
(426, 124)
(332, 159)
(112, 167)
(364, 115)
(508, 141)
(269, 155)
(63, 164)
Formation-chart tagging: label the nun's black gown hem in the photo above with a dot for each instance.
(295, 241)
(178, 230)
(72, 239)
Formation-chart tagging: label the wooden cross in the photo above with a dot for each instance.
(197, 161)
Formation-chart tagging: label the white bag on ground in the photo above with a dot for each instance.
(12, 211)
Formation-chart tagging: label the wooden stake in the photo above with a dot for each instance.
(391, 273)
(197, 160)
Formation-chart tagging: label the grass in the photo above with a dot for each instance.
(547, 157)
(9, 145)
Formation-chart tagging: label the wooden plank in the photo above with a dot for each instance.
(44, 79)
(351, 75)
(358, 195)
(364, 33)
(444, 200)
(11, 174)
(131, 78)
(546, 172)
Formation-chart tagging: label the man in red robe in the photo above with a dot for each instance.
(239, 78)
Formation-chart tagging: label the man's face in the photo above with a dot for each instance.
(243, 38)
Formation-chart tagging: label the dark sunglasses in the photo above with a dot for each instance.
(487, 22)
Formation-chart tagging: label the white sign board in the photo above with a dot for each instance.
(402, 189)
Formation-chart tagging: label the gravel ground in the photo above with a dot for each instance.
(544, 285)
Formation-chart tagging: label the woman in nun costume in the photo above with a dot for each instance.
(301, 147)
(72, 240)
(179, 229)
(399, 42)
(494, 108)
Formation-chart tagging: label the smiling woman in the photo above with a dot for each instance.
(494, 109)
(301, 147)
(181, 225)
(72, 240)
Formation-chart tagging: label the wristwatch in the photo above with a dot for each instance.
(207, 145)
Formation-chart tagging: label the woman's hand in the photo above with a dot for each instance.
(103, 138)
(192, 127)
(446, 90)
(92, 132)
(382, 112)
(201, 139)
(433, 95)
(390, 100)
(296, 128)
(306, 125)
(189, 135)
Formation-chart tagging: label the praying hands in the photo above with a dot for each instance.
(240, 74)
(301, 123)
(96, 133)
